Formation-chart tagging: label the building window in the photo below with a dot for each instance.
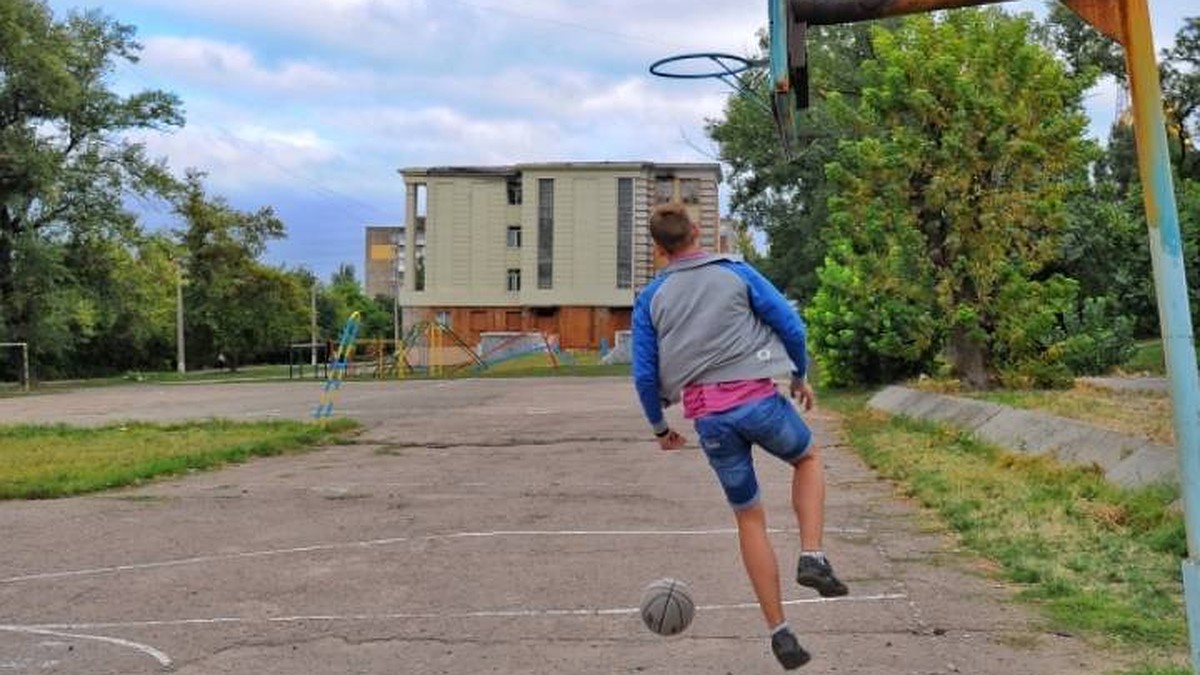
(443, 319)
(624, 233)
(514, 189)
(545, 264)
(514, 236)
(664, 189)
(689, 190)
(514, 280)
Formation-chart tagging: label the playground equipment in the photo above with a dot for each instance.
(300, 354)
(333, 383)
(429, 349)
(498, 348)
(24, 347)
(432, 348)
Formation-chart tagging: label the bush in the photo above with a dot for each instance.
(863, 333)
(1048, 337)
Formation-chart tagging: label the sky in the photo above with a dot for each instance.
(312, 106)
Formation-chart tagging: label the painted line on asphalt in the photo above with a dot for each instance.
(517, 613)
(199, 560)
(157, 655)
(391, 541)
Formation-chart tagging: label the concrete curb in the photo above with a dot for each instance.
(1128, 461)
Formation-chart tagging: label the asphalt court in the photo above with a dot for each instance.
(495, 526)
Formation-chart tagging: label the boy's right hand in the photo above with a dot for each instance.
(672, 440)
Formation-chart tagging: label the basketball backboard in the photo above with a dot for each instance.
(788, 56)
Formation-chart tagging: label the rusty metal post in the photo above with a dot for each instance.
(830, 12)
(1127, 22)
(1170, 283)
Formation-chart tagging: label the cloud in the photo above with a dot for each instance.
(222, 66)
(242, 157)
(424, 30)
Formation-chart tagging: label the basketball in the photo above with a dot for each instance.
(667, 607)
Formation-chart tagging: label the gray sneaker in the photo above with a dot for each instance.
(817, 573)
(788, 651)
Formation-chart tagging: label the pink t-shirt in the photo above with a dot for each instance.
(714, 397)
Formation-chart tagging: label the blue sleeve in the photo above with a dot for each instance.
(645, 361)
(775, 311)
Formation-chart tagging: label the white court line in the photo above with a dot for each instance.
(202, 559)
(375, 543)
(432, 616)
(157, 655)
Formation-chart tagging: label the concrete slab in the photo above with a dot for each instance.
(1128, 460)
(960, 412)
(1152, 463)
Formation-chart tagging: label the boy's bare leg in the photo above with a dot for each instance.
(758, 557)
(808, 498)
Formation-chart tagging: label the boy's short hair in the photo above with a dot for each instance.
(670, 226)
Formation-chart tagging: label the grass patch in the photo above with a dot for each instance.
(1147, 360)
(1140, 413)
(1097, 559)
(1160, 670)
(574, 364)
(42, 462)
(260, 373)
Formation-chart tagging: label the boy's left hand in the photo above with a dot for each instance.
(803, 392)
(673, 440)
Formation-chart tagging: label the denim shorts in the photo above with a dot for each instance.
(772, 423)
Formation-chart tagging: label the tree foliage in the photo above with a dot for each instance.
(81, 279)
(66, 167)
(237, 308)
(968, 140)
(1181, 93)
(1107, 247)
(345, 296)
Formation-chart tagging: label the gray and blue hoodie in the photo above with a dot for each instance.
(710, 319)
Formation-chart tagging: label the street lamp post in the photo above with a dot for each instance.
(313, 331)
(180, 351)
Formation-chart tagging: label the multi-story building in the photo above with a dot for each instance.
(559, 248)
(383, 272)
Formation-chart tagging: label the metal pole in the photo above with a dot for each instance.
(396, 315)
(25, 363)
(313, 334)
(1170, 282)
(832, 12)
(180, 365)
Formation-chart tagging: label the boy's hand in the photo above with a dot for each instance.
(803, 392)
(672, 440)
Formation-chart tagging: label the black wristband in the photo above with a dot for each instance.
(664, 432)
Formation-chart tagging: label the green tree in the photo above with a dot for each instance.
(1087, 53)
(129, 291)
(346, 296)
(65, 166)
(1106, 247)
(969, 140)
(1106, 250)
(1181, 94)
(237, 308)
(1090, 54)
